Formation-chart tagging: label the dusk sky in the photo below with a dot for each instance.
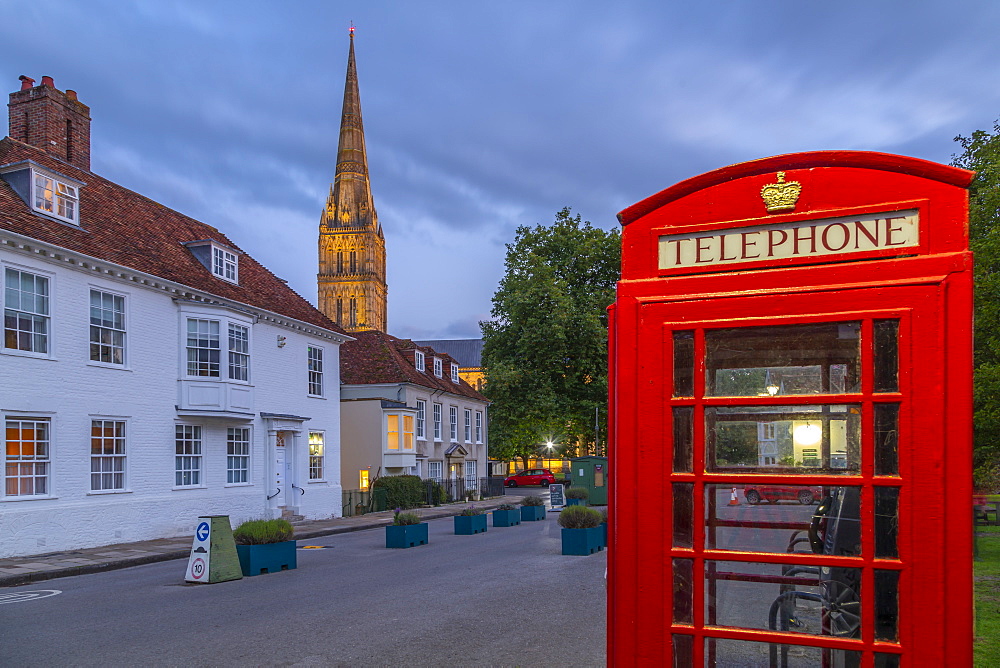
(480, 117)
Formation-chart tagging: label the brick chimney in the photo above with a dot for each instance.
(52, 120)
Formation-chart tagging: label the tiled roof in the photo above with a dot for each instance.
(468, 352)
(376, 357)
(123, 227)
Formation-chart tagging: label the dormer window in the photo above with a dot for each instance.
(224, 264)
(221, 260)
(418, 360)
(46, 192)
(454, 372)
(56, 198)
(438, 367)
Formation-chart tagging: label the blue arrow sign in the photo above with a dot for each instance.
(202, 532)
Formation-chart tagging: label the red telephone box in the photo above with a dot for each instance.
(791, 387)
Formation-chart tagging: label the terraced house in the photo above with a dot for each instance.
(152, 370)
(406, 410)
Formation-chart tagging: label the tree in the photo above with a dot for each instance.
(545, 348)
(981, 153)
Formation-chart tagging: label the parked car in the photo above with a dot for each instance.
(541, 477)
(771, 493)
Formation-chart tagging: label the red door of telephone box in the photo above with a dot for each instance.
(791, 356)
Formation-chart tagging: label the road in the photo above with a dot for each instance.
(506, 597)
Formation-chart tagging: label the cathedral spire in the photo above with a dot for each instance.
(351, 280)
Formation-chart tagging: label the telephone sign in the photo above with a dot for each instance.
(791, 347)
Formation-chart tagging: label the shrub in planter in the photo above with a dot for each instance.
(506, 515)
(604, 524)
(406, 530)
(581, 532)
(470, 521)
(402, 491)
(577, 496)
(265, 546)
(532, 509)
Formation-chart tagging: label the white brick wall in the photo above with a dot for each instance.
(69, 391)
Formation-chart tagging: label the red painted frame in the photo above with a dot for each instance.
(929, 290)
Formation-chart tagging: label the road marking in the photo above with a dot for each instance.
(315, 547)
(22, 596)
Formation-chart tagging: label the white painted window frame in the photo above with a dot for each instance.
(39, 313)
(421, 420)
(314, 355)
(453, 423)
(188, 456)
(225, 264)
(108, 335)
(438, 410)
(36, 467)
(110, 460)
(317, 456)
(239, 446)
(55, 196)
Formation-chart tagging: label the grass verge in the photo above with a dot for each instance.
(987, 574)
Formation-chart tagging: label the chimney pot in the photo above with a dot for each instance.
(47, 81)
(71, 94)
(26, 82)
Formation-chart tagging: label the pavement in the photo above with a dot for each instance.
(15, 571)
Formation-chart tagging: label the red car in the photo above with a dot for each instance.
(541, 477)
(771, 493)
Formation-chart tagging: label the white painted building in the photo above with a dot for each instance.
(150, 371)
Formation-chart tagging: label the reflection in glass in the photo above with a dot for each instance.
(884, 660)
(822, 601)
(684, 364)
(683, 439)
(683, 502)
(886, 355)
(749, 654)
(886, 522)
(820, 358)
(886, 605)
(886, 439)
(786, 439)
(683, 651)
(779, 519)
(683, 591)
(836, 526)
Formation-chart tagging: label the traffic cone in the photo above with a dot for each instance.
(733, 501)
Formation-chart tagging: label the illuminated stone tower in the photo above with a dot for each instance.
(351, 280)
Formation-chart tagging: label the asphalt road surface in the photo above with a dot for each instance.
(503, 598)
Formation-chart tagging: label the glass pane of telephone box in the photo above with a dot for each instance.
(814, 439)
(790, 598)
(724, 653)
(822, 358)
(782, 519)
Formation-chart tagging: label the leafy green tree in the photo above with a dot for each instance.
(981, 153)
(545, 348)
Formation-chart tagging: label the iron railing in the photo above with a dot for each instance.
(449, 491)
(361, 501)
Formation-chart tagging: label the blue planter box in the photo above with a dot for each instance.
(604, 532)
(532, 513)
(467, 525)
(582, 541)
(408, 535)
(506, 518)
(576, 502)
(270, 558)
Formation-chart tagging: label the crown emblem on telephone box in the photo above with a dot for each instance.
(781, 196)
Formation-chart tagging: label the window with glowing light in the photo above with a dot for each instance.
(317, 455)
